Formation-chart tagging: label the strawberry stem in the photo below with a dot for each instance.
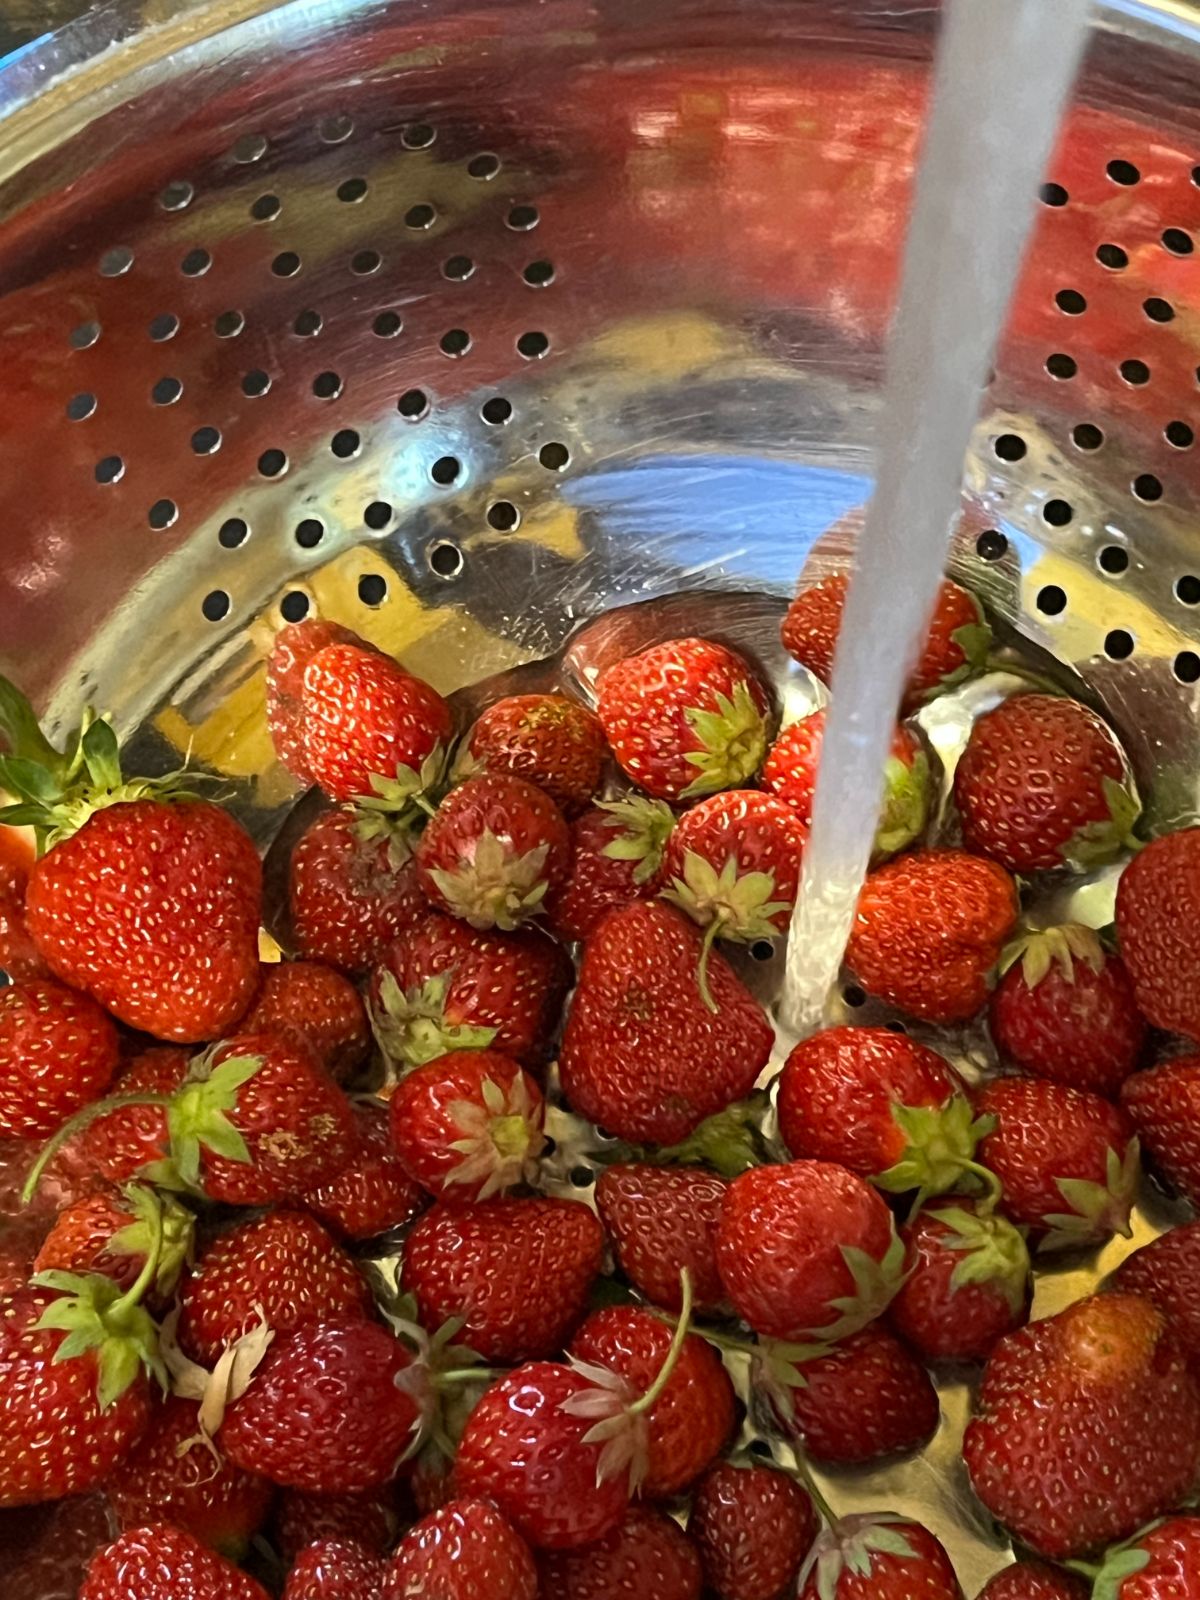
(448, 1380)
(992, 1187)
(710, 935)
(76, 1124)
(133, 1295)
(654, 1393)
(824, 1509)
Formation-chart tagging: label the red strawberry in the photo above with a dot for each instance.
(878, 1558)
(929, 930)
(19, 956)
(169, 1473)
(293, 648)
(319, 1004)
(433, 1482)
(1158, 905)
(881, 1104)
(159, 1562)
(334, 1569)
(967, 1282)
(685, 718)
(1043, 783)
(465, 1551)
(517, 1272)
(45, 1551)
(807, 1250)
(131, 1136)
(369, 727)
(753, 1527)
(444, 986)
(691, 1421)
(617, 857)
(1167, 1272)
(1065, 1010)
(1162, 1563)
(1031, 1580)
(1164, 1104)
(368, 1518)
(546, 739)
(373, 1193)
(493, 851)
(349, 895)
(662, 1220)
(326, 1410)
(283, 1269)
(58, 1051)
(1068, 1161)
(1088, 1424)
(112, 1233)
(468, 1125)
(643, 1055)
(646, 1557)
(956, 647)
(790, 773)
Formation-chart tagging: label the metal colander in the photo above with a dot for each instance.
(463, 323)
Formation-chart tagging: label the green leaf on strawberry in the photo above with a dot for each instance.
(1096, 1210)
(197, 1115)
(645, 826)
(850, 1547)
(495, 889)
(730, 1142)
(906, 797)
(876, 1284)
(740, 903)
(732, 739)
(177, 1226)
(993, 1252)
(1040, 949)
(400, 805)
(974, 639)
(940, 1150)
(412, 1028)
(1101, 842)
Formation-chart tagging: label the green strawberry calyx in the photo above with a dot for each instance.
(151, 1211)
(1122, 1561)
(850, 1546)
(940, 1144)
(441, 1377)
(731, 742)
(198, 1119)
(1039, 950)
(876, 1284)
(727, 904)
(729, 1142)
(974, 640)
(1101, 842)
(500, 1141)
(906, 803)
(645, 826)
(1096, 1210)
(399, 806)
(495, 888)
(993, 1254)
(412, 1028)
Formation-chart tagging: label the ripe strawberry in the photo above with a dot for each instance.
(112, 1233)
(1043, 783)
(369, 727)
(1158, 903)
(282, 1268)
(753, 1527)
(1167, 1272)
(58, 1051)
(956, 647)
(643, 1055)
(373, 1193)
(334, 1569)
(879, 1103)
(646, 1557)
(293, 648)
(967, 1282)
(465, 1551)
(546, 739)
(493, 851)
(369, 1518)
(170, 1474)
(444, 986)
(134, 1136)
(517, 1272)
(45, 1550)
(807, 1250)
(1162, 1563)
(326, 1411)
(159, 1562)
(468, 1126)
(685, 718)
(878, 1558)
(1068, 1161)
(1164, 1104)
(317, 1003)
(790, 773)
(19, 956)
(617, 857)
(1065, 1010)
(662, 1220)
(1031, 1580)
(929, 930)
(1087, 1425)
(349, 895)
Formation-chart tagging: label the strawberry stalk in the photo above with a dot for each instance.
(682, 1328)
(76, 1124)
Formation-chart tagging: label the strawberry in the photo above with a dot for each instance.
(465, 1551)
(349, 895)
(1031, 1580)
(1065, 1010)
(433, 1482)
(444, 986)
(1164, 1104)
(317, 1003)
(368, 1518)
(546, 739)
(113, 1233)
(662, 1220)
(929, 929)
(334, 1569)
(646, 1557)
(468, 1125)
(133, 1135)
(807, 1250)
(1162, 1563)
(967, 1282)
(643, 1056)
(691, 1421)
(373, 1193)
(879, 1103)
(1167, 1272)
(58, 1051)
(492, 852)
(370, 728)
(517, 1272)
(326, 1411)
(753, 1526)
(685, 718)
(292, 649)
(19, 956)
(1068, 1161)
(1043, 783)
(282, 1269)
(878, 1558)
(169, 1474)
(158, 1562)
(1087, 1425)
(1158, 903)
(47, 1549)
(617, 857)
(956, 646)
(790, 773)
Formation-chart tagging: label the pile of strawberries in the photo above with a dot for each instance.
(214, 1381)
